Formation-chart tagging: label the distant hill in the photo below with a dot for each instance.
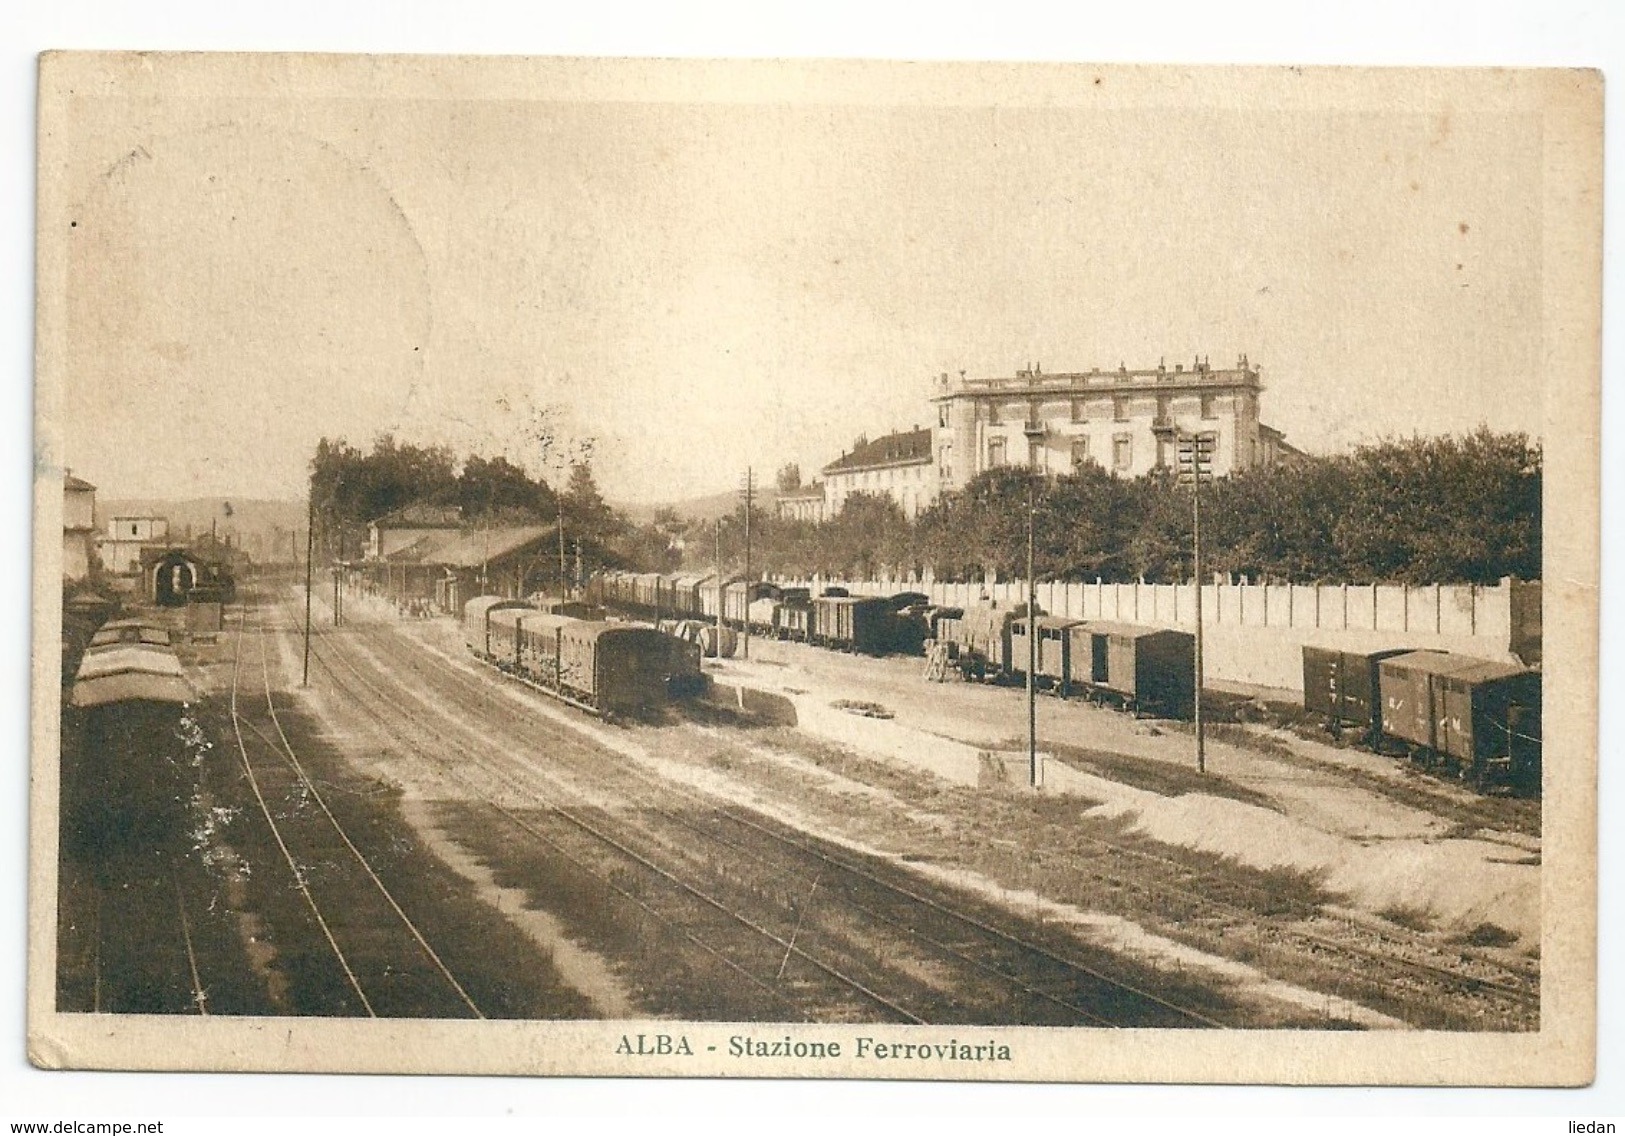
(707, 508)
(269, 531)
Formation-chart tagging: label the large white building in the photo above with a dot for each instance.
(897, 465)
(1122, 420)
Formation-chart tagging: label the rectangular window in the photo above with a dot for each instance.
(993, 412)
(942, 415)
(1035, 455)
(1080, 452)
(995, 452)
(1077, 410)
(1162, 406)
(1208, 410)
(1122, 451)
(1120, 408)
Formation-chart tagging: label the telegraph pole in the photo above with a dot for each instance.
(1032, 644)
(310, 565)
(1196, 467)
(749, 495)
(716, 534)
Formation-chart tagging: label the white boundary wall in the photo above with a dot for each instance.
(1255, 633)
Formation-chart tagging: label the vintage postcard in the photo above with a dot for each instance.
(845, 570)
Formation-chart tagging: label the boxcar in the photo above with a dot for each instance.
(685, 594)
(477, 621)
(1144, 667)
(1054, 648)
(736, 597)
(1479, 716)
(981, 636)
(1342, 686)
(760, 613)
(792, 615)
(852, 623)
(711, 594)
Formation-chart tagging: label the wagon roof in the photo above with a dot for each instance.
(1051, 622)
(130, 687)
(1432, 662)
(130, 658)
(1487, 670)
(1128, 630)
(482, 604)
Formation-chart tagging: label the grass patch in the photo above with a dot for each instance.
(1410, 918)
(1161, 777)
(1485, 935)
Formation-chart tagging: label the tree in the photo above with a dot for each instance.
(496, 489)
(788, 478)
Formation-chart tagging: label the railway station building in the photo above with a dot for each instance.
(1120, 419)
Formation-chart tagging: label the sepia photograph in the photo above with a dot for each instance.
(816, 569)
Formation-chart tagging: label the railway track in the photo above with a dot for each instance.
(1412, 976)
(983, 965)
(1354, 954)
(369, 957)
(143, 958)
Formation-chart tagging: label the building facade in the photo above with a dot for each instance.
(1122, 420)
(898, 466)
(804, 504)
(406, 526)
(120, 549)
(78, 527)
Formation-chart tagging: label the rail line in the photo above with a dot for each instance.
(1313, 944)
(978, 929)
(396, 727)
(352, 964)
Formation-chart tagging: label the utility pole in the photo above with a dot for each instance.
(564, 592)
(716, 534)
(310, 565)
(1032, 643)
(749, 496)
(1195, 463)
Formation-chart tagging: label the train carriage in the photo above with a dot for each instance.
(981, 639)
(1054, 648)
(1142, 667)
(122, 631)
(1479, 716)
(852, 623)
(792, 615)
(610, 668)
(477, 625)
(685, 594)
(1342, 687)
(128, 773)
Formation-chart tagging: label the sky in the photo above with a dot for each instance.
(700, 286)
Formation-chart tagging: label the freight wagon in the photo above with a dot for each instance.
(1477, 717)
(1142, 667)
(1342, 686)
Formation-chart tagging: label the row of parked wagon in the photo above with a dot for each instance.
(1476, 717)
(874, 625)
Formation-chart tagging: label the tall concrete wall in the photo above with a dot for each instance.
(1255, 633)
